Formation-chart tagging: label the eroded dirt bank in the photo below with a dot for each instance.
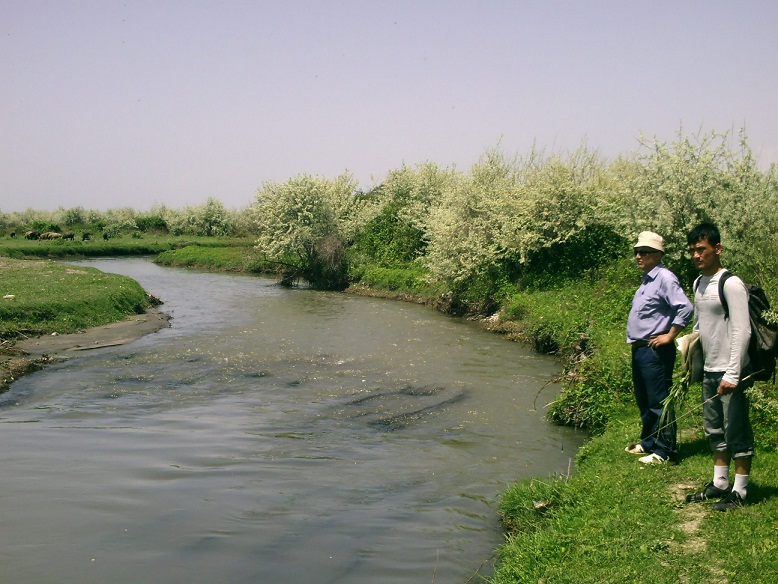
(20, 357)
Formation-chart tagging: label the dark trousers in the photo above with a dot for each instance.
(652, 376)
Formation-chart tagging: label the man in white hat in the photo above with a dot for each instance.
(660, 310)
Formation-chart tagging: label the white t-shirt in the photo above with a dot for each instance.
(724, 340)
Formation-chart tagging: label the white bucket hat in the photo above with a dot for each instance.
(650, 239)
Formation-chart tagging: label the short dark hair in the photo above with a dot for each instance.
(707, 231)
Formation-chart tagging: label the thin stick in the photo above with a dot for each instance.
(698, 406)
(690, 411)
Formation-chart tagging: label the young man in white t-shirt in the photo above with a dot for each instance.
(724, 341)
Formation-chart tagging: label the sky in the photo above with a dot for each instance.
(108, 104)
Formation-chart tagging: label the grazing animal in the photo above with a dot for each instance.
(105, 236)
(51, 235)
(31, 235)
(13, 234)
(86, 236)
(71, 235)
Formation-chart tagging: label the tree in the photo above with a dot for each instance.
(305, 225)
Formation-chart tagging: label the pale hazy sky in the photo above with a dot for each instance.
(107, 104)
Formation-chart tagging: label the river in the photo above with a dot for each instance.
(272, 436)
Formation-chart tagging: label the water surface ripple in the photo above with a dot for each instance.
(273, 436)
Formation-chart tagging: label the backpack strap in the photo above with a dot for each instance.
(722, 279)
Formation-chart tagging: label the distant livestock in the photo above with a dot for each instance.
(13, 234)
(31, 235)
(71, 235)
(86, 236)
(106, 236)
(51, 235)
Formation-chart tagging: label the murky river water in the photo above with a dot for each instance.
(271, 436)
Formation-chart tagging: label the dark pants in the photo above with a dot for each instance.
(652, 376)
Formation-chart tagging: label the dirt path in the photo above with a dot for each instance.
(21, 357)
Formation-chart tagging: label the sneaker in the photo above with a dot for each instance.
(652, 458)
(733, 501)
(709, 492)
(635, 449)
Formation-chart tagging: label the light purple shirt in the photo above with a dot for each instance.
(659, 303)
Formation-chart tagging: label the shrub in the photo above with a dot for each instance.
(670, 188)
(72, 217)
(151, 223)
(391, 227)
(44, 226)
(211, 219)
(515, 215)
(464, 227)
(304, 226)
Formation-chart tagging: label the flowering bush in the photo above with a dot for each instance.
(390, 228)
(210, 219)
(304, 225)
(516, 216)
(670, 188)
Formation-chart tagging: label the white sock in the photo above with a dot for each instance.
(741, 485)
(721, 477)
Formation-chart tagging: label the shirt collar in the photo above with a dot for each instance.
(653, 273)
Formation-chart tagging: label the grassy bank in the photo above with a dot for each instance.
(123, 245)
(236, 258)
(41, 296)
(616, 521)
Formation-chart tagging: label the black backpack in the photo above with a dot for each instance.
(763, 346)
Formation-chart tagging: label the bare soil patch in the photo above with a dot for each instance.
(20, 357)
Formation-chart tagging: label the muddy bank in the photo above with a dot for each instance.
(20, 357)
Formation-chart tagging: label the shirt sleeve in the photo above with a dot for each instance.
(676, 298)
(739, 328)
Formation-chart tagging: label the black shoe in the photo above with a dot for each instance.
(733, 501)
(710, 492)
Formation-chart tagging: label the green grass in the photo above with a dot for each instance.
(228, 259)
(615, 520)
(42, 296)
(411, 280)
(125, 245)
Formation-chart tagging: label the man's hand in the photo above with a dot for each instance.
(725, 387)
(659, 340)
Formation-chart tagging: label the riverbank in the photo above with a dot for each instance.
(614, 519)
(22, 356)
(49, 309)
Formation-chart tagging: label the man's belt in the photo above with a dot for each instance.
(638, 344)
